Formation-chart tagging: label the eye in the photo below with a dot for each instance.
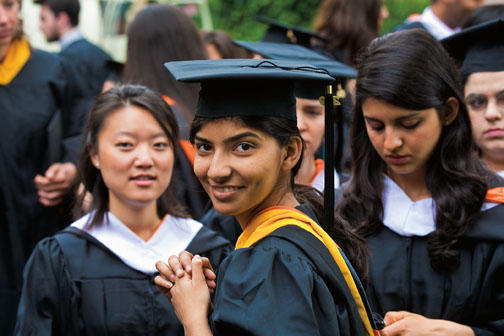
(161, 145)
(203, 148)
(477, 102)
(500, 100)
(244, 147)
(375, 125)
(124, 145)
(410, 124)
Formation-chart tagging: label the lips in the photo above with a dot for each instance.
(225, 192)
(5, 33)
(494, 132)
(397, 159)
(143, 180)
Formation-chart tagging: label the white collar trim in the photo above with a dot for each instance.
(172, 236)
(319, 181)
(408, 218)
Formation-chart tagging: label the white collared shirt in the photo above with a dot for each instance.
(172, 236)
(406, 217)
(319, 181)
(501, 173)
(70, 37)
(435, 26)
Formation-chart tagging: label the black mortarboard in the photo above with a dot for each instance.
(247, 87)
(480, 48)
(282, 51)
(282, 33)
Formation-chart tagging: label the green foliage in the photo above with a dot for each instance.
(399, 10)
(237, 16)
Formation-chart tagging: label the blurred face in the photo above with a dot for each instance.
(484, 97)
(9, 11)
(49, 24)
(384, 14)
(212, 51)
(134, 156)
(239, 167)
(310, 121)
(404, 139)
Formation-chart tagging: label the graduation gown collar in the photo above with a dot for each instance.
(408, 218)
(15, 59)
(172, 236)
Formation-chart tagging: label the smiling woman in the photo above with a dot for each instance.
(102, 267)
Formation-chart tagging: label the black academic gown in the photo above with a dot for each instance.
(401, 277)
(285, 284)
(74, 285)
(33, 134)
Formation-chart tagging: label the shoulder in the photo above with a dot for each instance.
(489, 225)
(48, 63)
(408, 25)
(83, 45)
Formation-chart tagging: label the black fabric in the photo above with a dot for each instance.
(401, 277)
(34, 132)
(285, 284)
(74, 285)
(188, 189)
(408, 25)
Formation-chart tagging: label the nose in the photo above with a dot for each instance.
(3, 15)
(392, 141)
(219, 169)
(301, 122)
(494, 111)
(143, 157)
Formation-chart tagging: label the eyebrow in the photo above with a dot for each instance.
(413, 114)
(131, 134)
(233, 138)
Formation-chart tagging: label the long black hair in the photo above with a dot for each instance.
(410, 69)
(107, 103)
(282, 130)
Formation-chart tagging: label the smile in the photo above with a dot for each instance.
(224, 193)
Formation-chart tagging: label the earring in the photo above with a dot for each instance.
(97, 164)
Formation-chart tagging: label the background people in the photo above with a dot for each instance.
(36, 172)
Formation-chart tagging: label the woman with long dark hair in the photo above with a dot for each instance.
(96, 277)
(421, 197)
(287, 275)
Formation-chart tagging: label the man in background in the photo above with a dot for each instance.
(443, 17)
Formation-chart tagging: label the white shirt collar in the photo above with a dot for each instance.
(70, 37)
(319, 181)
(501, 173)
(172, 236)
(435, 26)
(408, 218)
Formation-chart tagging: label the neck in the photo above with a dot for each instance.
(451, 16)
(3, 52)
(306, 171)
(65, 30)
(142, 220)
(495, 164)
(413, 185)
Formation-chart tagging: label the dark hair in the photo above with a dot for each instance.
(70, 7)
(282, 130)
(107, 103)
(410, 69)
(349, 25)
(485, 13)
(159, 34)
(224, 44)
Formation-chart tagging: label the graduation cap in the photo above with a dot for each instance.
(247, 87)
(282, 33)
(254, 87)
(480, 48)
(282, 51)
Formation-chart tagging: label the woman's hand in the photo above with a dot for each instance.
(403, 323)
(191, 299)
(177, 267)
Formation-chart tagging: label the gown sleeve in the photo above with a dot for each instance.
(48, 300)
(265, 291)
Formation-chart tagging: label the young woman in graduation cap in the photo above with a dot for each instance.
(96, 277)
(481, 51)
(287, 276)
(430, 210)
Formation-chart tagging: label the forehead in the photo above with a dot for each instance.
(383, 111)
(485, 82)
(222, 129)
(130, 118)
